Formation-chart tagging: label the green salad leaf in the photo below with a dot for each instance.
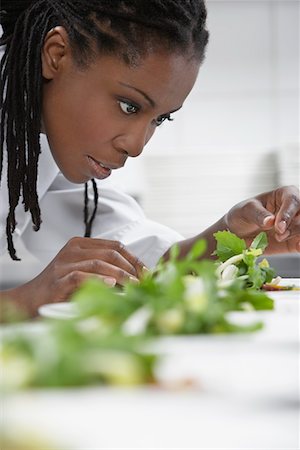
(260, 241)
(228, 245)
(104, 344)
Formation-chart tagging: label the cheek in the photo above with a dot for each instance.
(59, 115)
(72, 120)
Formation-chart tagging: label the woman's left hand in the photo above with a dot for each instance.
(276, 212)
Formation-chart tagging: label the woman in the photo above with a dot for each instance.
(97, 78)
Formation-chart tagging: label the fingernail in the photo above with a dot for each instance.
(134, 280)
(110, 281)
(145, 270)
(282, 226)
(267, 220)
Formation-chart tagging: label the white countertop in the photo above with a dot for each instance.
(243, 394)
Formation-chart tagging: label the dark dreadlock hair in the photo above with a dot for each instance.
(129, 29)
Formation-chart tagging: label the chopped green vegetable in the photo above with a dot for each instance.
(104, 344)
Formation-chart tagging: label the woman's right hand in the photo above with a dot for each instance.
(79, 259)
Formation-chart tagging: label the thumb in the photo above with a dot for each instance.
(256, 213)
(268, 221)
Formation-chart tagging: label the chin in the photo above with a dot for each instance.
(76, 179)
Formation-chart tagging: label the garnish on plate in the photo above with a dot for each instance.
(275, 285)
(186, 296)
(236, 261)
(105, 343)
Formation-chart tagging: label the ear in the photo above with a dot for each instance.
(55, 49)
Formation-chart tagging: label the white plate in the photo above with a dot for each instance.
(290, 282)
(288, 296)
(63, 310)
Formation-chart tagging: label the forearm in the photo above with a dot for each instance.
(187, 244)
(17, 302)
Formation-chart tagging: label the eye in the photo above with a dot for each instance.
(161, 119)
(127, 107)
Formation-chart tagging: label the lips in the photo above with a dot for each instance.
(98, 170)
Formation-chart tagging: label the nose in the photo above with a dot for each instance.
(133, 140)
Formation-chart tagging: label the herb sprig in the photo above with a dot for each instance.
(236, 261)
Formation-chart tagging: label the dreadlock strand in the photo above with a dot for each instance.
(95, 191)
(33, 91)
(10, 244)
(86, 209)
(89, 220)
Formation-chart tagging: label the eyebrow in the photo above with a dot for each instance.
(149, 99)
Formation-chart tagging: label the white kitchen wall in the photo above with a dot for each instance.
(241, 117)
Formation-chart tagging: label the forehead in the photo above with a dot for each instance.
(166, 78)
(167, 75)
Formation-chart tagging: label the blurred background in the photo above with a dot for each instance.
(238, 132)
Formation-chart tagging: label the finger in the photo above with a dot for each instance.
(95, 258)
(291, 232)
(140, 268)
(114, 258)
(74, 279)
(104, 269)
(137, 264)
(282, 237)
(289, 208)
(268, 222)
(254, 212)
(81, 249)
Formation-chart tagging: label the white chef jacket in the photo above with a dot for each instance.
(119, 217)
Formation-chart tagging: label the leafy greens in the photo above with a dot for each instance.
(104, 344)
